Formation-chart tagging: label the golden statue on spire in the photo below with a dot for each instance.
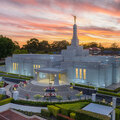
(75, 19)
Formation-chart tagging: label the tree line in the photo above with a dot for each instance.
(34, 46)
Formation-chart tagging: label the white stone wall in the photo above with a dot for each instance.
(21, 107)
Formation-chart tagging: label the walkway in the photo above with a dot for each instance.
(14, 115)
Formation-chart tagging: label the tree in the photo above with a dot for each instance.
(57, 46)
(7, 47)
(44, 46)
(32, 45)
(20, 51)
(93, 44)
(90, 45)
(114, 46)
(16, 45)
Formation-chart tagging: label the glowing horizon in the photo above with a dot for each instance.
(52, 20)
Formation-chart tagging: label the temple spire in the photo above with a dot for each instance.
(75, 41)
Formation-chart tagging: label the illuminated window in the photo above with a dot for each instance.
(34, 66)
(84, 74)
(76, 72)
(80, 71)
(13, 66)
(17, 66)
(39, 66)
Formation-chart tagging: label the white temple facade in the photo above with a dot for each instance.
(73, 65)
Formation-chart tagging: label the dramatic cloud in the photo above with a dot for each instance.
(97, 20)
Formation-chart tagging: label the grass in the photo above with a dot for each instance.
(73, 106)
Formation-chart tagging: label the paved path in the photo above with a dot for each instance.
(14, 115)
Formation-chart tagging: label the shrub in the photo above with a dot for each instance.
(45, 113)
(117, 89)
(109, 93)
(109, 90)
(2, 97)
(59, 97)
(65, 111)
(104, 89)
(71, 83)
(72, 115)
(16, 77)
(117, 114)
(5, 101)
(63, 117)
(37, 96)
(43, 104)
(86, 115)
(86, 86)
(53, 110)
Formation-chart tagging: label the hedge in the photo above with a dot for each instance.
(2, 97)
(108, 93)
(43, 104)
(66, 111)
(109, 90)
(16, 74)
(86, 86)
(15, 77)
(86, 115)
(72, 115)
(53, 110)
(5, 101)
(117, 114)
(104, 89)
(45, 113)
(63, 117)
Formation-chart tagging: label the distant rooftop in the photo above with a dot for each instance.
(100, 109)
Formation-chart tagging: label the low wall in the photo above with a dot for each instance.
(21, 107)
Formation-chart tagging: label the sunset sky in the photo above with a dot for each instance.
(97, 20)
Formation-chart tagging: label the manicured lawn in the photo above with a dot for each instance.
(73, 106)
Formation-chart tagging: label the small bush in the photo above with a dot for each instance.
(72, 115)
(53, 110)
(45, 113)
(71, 83)
(5, 101)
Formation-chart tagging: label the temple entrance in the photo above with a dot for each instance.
(50, 79)
(50, 76)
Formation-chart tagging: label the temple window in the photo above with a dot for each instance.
(76, 72)
(80, 72)
(15, 66)
(36, 66)
(84, 74)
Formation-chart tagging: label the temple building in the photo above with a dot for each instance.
(73, 65)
